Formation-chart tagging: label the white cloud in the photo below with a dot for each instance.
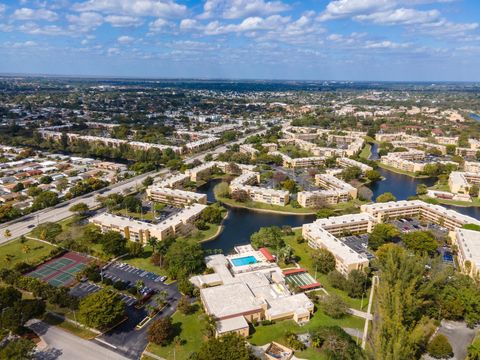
(123, 20)
(34, 14)
(386, 44)
(250, 24)
(113, 51)
(158, 8)
(34, 29)
(189, 24)
(24, 44)
(444, 27)
(125, 39)
(161, 25)
(235, 9)
(400, 16)
(85, 22)
(3, 7)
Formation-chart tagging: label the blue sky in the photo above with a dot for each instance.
(409, 40)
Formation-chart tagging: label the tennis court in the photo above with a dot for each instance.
(300, 278)
(60, 271)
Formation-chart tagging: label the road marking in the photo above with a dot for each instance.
(106, 343)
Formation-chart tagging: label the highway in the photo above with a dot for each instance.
(25, 224)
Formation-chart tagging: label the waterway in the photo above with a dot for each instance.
(474, 117)
(242, 223)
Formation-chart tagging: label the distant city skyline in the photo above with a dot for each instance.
(358, 40)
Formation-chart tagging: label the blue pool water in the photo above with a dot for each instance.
(244, 261)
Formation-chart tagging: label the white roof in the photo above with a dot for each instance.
(469, 244)
(232, 324)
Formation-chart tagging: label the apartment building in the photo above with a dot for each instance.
(174, 196)
(461, 182)
(466, 152)
(179, 224)
(246, 181)
(321, 234)
(249, 149)
(204, 170)
(345, 162)
(330, 182)
(405, 160)
(173, 181)
(468, 255)
(416, 208)
(297, 163)
(471, 167)
(316, 199)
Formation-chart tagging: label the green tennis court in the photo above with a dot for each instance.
(60, 271)
(302, 280)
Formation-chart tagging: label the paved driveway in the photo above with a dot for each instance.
(65, 346)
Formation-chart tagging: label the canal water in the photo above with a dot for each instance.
(242, 223)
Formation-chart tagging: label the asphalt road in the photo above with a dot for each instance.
(63, 345)
(25, 224)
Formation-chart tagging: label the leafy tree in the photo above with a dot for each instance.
(240, 196)
(18, 349)
(420, 242)
(47, 231)
(227, 347)
(336, 343)
(289, 185)
(184, 305)
(161, 332)
(381, 234)
(18, 187)
(135, 249)
(222, 190)
(268, 237)
(439, 347)
(147, 181)
(113, 243)
(334, 306)
(79, 208)
(212, 214)
(101, 309)
(184, 257)
(14, 317)
(357, 283)
(324, 261)
(131, 203)
(45, 179)
(386, 197)
(473, 192)
(422, 189)
(351, 173)
(45, 199)
(337, 280)
(373, 175)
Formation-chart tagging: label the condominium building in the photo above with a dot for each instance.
(249, 149)
(389, 137)
(264, 195)
(296, 163)
(471, 167)
(416, 208)
(173, 181)
(347, 162)
(466, 152)
(461, 182)
(330, 182)
(468, 255)
(334, 191)
(322, 234)
(179, 224)
(174, 196)
(405, 160)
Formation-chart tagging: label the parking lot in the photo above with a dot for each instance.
(359, 243)
(83, 289)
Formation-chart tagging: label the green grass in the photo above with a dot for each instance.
(256, 205)
(144, 262)
(276, 332)
(31, 252)
(305, 253)
(202, 235)
(366, 151)
(191, 331)
(474, 202)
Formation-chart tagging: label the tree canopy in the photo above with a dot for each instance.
(101, 309)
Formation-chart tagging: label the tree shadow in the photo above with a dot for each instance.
(48, 354)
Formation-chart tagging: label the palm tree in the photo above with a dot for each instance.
(210, 326)
(153, 242)
(25, 249)
(7, 233)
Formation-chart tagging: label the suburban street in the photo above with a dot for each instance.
(25, 224)
(63, 345)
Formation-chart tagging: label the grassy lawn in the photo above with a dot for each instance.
(202, 235)
(276, 332)
(191, 331)
(304, 253)
(31, 252)
(366, 151)
(256, 205)
(144, 263)
(474, 202)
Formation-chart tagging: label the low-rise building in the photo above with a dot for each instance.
(174, 196)
(322, 234)
(180, 223)
(347, 162)
(245, 183)
(468, 255)
(249, 149)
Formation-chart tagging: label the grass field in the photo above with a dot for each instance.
(276, 332)
(30, 251)
(261, 206)
(474, 202)
(403, 172)
(304, 253)
(191, 331)
(67, 326)
(144, 262)
(366, 151)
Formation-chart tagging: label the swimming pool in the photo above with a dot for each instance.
(242, 261)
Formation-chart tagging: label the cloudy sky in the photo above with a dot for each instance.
(407, 40)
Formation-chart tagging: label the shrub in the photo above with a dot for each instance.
(439, 347)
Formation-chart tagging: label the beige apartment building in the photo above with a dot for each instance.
(174, 196)
(468, 255)
(246, 181)
(180, 224)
